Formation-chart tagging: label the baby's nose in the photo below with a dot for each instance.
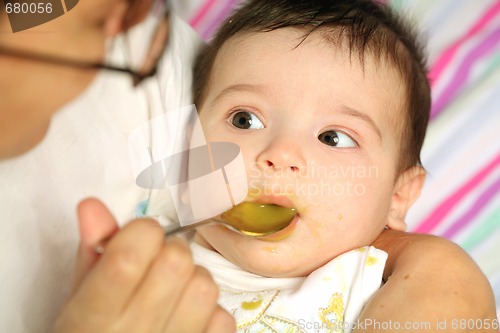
(282, 155)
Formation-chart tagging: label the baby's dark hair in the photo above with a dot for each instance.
(368, 27)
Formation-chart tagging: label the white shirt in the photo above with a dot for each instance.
(85, 153)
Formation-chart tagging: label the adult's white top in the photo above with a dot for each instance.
(84, 154)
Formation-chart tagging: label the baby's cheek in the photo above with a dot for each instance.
(323, 227)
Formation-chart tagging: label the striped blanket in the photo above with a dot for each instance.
(461, 198)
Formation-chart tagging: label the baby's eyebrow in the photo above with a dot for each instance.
(363, 116)
(239, 88)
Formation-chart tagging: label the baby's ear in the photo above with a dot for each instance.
(406, 191)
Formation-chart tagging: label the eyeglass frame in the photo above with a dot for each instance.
(160, 37)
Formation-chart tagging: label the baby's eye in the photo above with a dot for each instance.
(337, 139)
(246, 120)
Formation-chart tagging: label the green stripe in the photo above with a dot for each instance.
(485, 229)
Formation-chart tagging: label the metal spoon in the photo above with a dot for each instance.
(247, 218)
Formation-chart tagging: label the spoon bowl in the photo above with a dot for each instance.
(255, 219)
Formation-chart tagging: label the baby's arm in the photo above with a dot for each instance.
(432, 283)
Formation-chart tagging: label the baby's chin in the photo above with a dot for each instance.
(277, 258)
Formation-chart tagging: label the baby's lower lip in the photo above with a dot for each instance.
(283, 233)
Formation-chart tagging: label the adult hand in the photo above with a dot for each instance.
(141, 283)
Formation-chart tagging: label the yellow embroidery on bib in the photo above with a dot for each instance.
(332, 316)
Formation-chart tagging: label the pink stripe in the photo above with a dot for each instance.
(446, 206)
(204, 10)
(216, 22)
(448, 55)
(465, 219)
(462, 73)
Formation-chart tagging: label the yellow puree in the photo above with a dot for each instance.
(257, 219)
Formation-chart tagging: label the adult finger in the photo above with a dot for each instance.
(119, 271)
(160, 292)
(221, 322)
(196, 306)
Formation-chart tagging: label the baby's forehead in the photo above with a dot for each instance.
(255, 49)
(372, 61)
(386, 54)
(375, 60)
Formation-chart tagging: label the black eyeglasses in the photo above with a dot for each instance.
(148, 68)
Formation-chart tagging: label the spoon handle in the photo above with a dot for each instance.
(168, 231)
(176, 229)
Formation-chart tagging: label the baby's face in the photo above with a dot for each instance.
(315, 131)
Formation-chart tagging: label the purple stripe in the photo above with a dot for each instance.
(446, 57)
(465, 219)
(461, 75)
(217, 20)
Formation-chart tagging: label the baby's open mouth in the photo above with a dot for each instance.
(259, 219)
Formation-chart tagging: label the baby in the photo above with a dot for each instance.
(329, 103)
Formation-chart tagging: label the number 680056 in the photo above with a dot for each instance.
(28, 8)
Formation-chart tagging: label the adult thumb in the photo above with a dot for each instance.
(96, 223)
